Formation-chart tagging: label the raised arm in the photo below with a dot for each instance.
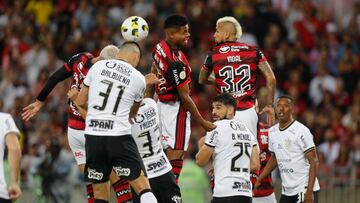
(271, 86)
(32, 109)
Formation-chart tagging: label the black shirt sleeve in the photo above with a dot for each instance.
(59, 75)
(208, 61)
(176, 73)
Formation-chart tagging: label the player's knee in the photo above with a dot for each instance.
(140, 183)
(174, 154)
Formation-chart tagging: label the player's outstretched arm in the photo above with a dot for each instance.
(190, 105)
(270, 166)
(267, 72)
(32, 109)
(205, 78)
(14, 157)
(312, 158)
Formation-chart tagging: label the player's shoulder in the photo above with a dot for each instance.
(274, 128)
(149, 102)
(5, 116)
(161, 49)
(300, 127)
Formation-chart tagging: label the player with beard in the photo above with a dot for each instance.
(173, 89)
(234, 151)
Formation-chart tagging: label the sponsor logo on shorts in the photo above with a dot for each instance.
(93, 174)
(176, 199)
(101, 124)
(120, 171)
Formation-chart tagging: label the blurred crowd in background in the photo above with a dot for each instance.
(312, 46)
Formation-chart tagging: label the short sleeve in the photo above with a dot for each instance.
(211, 138)
(208, 61)
(254, 141)
(10, 126)
(260, 56)
(306, 140)
(139, 96)
(176, 73)
(270, 145)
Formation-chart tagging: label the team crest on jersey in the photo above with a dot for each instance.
(182, 75)
(176, 199)
(288, 144)
(224, 49)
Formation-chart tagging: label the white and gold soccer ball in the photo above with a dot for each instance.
(134, 28)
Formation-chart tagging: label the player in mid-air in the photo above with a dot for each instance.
(112, 93)
(146, 132)
(293, 152)
(9, 135)
(235, 66)
(234, 151)
(175, 104)
(77, 68)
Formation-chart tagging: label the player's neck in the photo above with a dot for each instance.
(284, 125)
(171, 45)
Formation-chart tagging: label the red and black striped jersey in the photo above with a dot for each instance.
(173, 71)
(235, 66)
(79, 66)
(266, 187)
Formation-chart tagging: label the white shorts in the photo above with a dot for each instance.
(174, 125)
(76, 140)
(267, 199)
(249, 118)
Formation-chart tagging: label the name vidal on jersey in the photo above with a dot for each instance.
(116, 76)
(102, 124)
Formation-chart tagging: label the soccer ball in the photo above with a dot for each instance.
(134, 28)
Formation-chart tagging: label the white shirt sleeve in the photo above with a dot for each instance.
(140, 93)
(10, 126)
(270, 143)
(305, 140)
(211, 138)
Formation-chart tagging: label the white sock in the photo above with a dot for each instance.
(147, 197)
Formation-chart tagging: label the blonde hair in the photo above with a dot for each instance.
(109, 52)
(232, 20)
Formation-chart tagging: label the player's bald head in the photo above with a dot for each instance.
(109, 52)
(130, 52)
(130, 47)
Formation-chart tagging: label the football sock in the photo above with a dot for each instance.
(100, 201)
(90, 193)
(177, 165)
(122, 191)
(146, 196)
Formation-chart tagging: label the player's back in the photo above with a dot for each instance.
(235, 68)
(146, 133)
(114, 85)
(233, 147)
(173, 70)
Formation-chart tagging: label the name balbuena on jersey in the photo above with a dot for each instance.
(146, 133)
(7, 125)
(114, 85)
(290, 146)
(233, 144)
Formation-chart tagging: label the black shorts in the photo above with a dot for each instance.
(164, 188)
(298, 198)
(232, 199)
(5, 200)
(106, 153)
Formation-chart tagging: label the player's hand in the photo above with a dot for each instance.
(31, 110)
(309, 197)
(257, 184)
(208, 126)
(14, 191)
(73, 93)
(151, 79)
(270, 114)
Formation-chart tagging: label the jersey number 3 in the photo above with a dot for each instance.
(106, 96)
